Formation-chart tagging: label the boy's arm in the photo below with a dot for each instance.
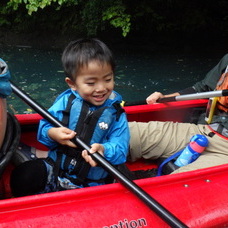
(62, 135)
(42, 135)
(44, 127)
(115, 150)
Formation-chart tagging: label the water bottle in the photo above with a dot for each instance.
(192, 151)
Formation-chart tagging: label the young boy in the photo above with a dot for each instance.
(90, 109)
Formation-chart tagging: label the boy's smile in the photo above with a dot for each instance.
(94, 82)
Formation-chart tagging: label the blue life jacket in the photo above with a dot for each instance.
(91, 127)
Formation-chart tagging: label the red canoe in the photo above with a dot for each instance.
(197, 198)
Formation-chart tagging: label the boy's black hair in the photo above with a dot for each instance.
(80, 52)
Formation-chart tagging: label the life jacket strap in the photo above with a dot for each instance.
(119, 110)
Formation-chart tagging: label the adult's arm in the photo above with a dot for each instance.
(210, 81)
(207, 84)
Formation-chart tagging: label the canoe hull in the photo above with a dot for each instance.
(198, 198)
(191, 197)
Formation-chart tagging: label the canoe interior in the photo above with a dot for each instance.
(198, 198)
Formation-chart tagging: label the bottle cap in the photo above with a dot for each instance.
(198, 143)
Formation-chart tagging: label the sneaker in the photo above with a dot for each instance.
(141, 174)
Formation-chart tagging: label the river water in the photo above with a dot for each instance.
(140, 71)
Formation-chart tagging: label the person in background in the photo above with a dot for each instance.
(155, 140)
(5, 90)
(90, 109)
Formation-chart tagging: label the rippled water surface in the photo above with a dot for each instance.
(139, 72)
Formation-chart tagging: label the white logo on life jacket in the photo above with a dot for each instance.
(103, 126)
(73, 162)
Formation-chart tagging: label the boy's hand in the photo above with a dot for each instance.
(96, 147)
(62, 135)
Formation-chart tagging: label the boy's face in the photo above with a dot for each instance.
(94, 82)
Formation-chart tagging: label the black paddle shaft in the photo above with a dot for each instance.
(169, 218)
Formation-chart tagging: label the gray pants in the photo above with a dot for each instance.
(156, 139)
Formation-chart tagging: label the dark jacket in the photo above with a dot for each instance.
(208, 84)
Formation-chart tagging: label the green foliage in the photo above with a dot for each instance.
(118, 18)
(92, 17)
(34, 5)
(81, 14)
